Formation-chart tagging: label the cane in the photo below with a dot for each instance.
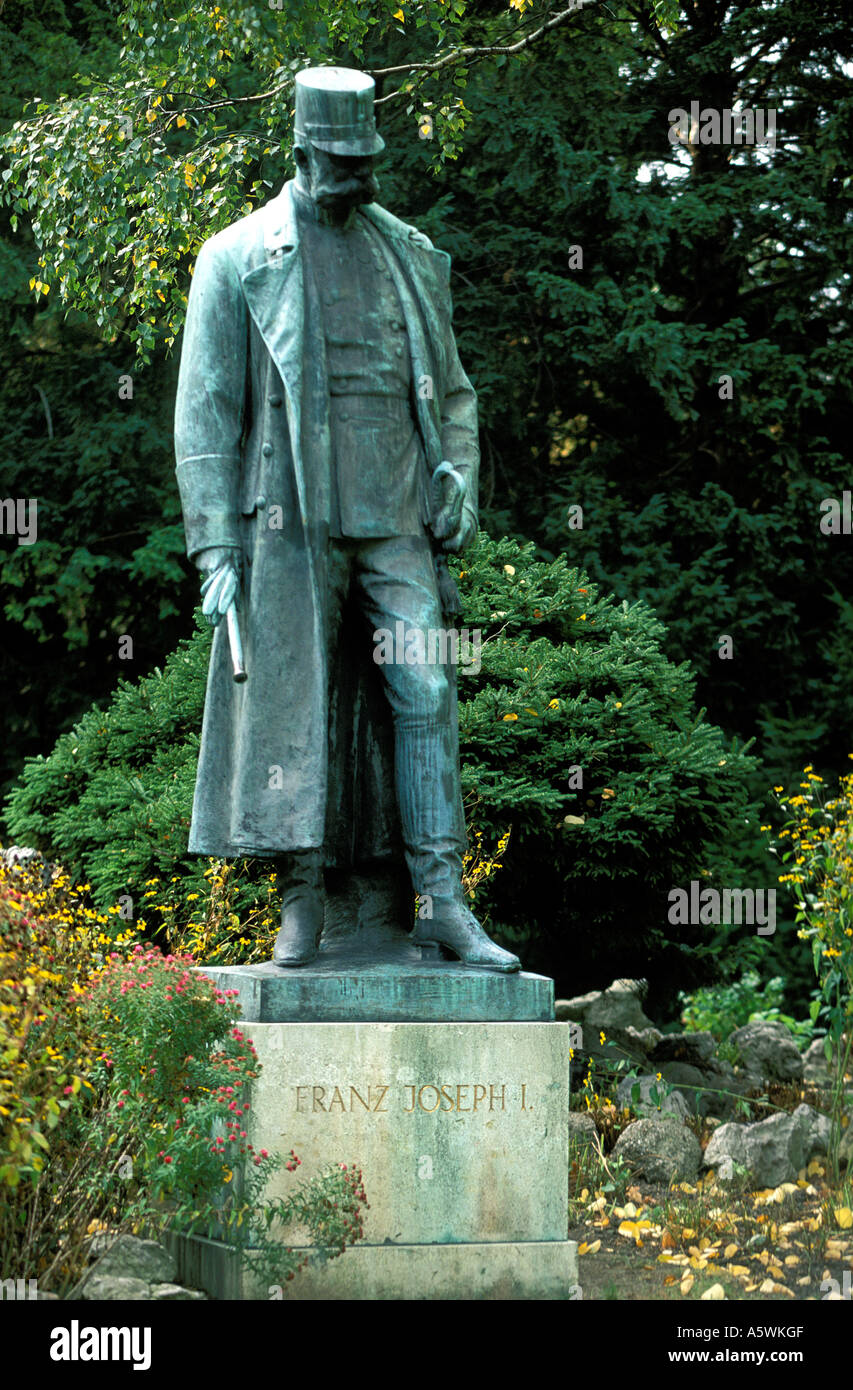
(235, 643)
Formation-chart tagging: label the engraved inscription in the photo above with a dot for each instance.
(429, 1098)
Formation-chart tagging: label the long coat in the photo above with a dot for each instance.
(298, 756)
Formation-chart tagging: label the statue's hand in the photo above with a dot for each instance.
(455, 523)
(464, 534)
(221, 566)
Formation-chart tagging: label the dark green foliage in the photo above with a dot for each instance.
(108, 559)
(600, 383)
(114, 797)
(589, 688)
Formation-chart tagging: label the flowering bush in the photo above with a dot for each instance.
(51, 947)
(50, 944)
(124, 1096)
(816, 844)
(232, 921)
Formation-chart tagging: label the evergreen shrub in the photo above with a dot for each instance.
(577, 735)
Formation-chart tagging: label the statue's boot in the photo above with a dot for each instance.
(433, 833)
(300, 882)
(454, 927)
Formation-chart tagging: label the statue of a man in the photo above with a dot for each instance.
(327, 449)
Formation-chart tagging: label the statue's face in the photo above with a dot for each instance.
(337, 182)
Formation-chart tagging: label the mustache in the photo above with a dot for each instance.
(361, 188)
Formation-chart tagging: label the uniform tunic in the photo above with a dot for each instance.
(378, 466)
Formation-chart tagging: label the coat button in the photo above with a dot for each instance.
(260, 502)
(267, 451)
(275, 400)
(343, 415)
(399, 351)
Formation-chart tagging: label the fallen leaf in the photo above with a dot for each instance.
(586, 1249)
(668, 1241)
(670, 1280)
(738, 1270)
(634, 1229)
(686, 1283)
(844, 1217)
(730, 1250)
(634, 1194)
(716, 1294)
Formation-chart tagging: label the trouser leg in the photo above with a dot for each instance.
(397, 585)
(396, 581)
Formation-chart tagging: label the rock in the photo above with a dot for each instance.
(845, 1146)
(670, 1102)
(768, 1050)
(772, 1151)
(816, 1069)
(563, 1010)
(690, 1082)
(30, 861)
(713, 1090)
(818, 1129)
(646, 1040)
(582, 1128)
(611, 1011)
(128, 1257)
(107, 1288)
(694, 1049)
(616, 1007)
(15, 855)
(662, 1150)
(172, 1293)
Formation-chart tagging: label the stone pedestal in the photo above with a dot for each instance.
(461, 1133)
(448, 1087)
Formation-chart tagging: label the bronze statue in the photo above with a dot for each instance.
(327, 458)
